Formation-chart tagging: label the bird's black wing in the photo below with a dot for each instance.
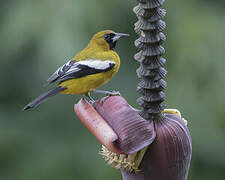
(61, 71)
(76, 69)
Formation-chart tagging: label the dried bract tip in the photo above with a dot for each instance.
(127, 162)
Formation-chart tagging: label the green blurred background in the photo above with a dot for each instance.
(50, 143)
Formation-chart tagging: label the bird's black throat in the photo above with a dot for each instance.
(110, 41)
(112, 45)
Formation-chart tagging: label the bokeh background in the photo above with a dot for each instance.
(50, 143)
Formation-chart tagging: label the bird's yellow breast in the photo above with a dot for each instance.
(90, 82)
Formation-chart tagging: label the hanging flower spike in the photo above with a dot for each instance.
(169, 156)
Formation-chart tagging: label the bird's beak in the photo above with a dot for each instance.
(119, 35)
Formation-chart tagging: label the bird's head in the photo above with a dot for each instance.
(107, 39)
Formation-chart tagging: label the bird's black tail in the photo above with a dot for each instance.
(43, 97)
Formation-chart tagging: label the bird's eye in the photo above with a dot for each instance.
(108, 36)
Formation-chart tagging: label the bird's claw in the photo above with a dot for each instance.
(102, 100)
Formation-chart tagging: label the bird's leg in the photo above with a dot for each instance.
(108, 93)
(91, 100)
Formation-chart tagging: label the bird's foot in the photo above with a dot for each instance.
(114, 93)
(108, 93)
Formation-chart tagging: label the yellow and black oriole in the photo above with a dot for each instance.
(92, 67)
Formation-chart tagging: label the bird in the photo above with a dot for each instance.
(91, 68)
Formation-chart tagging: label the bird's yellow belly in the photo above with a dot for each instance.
(85, 84)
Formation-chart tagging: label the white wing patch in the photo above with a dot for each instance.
(97, 64)
(94, 64)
